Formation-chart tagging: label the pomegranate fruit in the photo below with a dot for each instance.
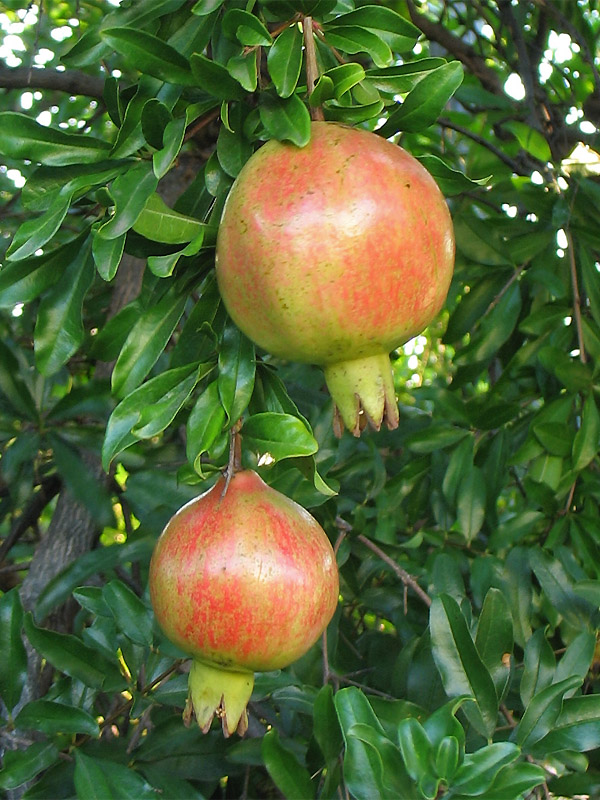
(334, 254)
(243, 580)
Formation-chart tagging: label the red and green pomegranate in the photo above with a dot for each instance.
(335, 254)
(243, 579)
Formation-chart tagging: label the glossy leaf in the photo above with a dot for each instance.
(161, 224)
(13, 658)
(515, 781)
(291, 778)
(585, 443)
(81, 481)
(326, 726)
(479, 769)
(130, 613)
(471, 502)
(205, 423)
(107, 254)
(67, 653)
(35, 233)
(494, 639)
(163, 159)
(285, 119)
(237, 369)
(51, 717)
(59, 588)
(278, 434)
(23, 138)
(147, 340)
(130, 193)
(150, 408)
(543, 711)
(396, 30)
(460, 665)
(59, 328)
(215, 79)
(577, 727)
(246, 28)
(402, 77)
(150, 54)
(539, 666)
(424, 104)
(20, 766)
(284, 61)
(558, 587)
(354, 39)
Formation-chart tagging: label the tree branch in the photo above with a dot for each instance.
(456, 47)
(69, 81)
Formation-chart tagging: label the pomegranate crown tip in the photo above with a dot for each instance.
(216, 691)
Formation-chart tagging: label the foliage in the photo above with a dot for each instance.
(463, 659)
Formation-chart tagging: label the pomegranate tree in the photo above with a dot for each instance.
(243, 579)
(335, 254)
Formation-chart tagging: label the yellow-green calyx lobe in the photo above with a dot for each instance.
(212, 690)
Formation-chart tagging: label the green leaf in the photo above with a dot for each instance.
(415, 748)
(59, 328)
(460, 665)
(447, 758)
(394, 29)
(13, 658)
(585, 443)
(215, 79)
(13, 387)
(146, 341)
(345, 77)
(160, 223)
(451, 181)
(163, 159)
(542, 712)
(50, 717)
(558, 588)
(150, 408)
(70, 655)
(530, 139)
(237, 368)
(515, 781)
(496, 327)
(130, 193)
(435, 437)
(353, 39)
(81, 481)
(290, 777)
(284, 61)
(494, 639)
(155, 118)
(470, 503)
(478, 770)
(244, 27)
(577, 658)
(205, 423)
(401, 78)
(107, 254)
(373, 767)
(20, 766)
(150, 55)
(34, 233)
(233, 149)
(423, 104)
(59, 588)
(589, 273)
(21, 137)
(130, 613)
(577, 728)
(285, 119)
(90, 778)
(326, 726)
(539, 666)
(23, 281)
(280, 435)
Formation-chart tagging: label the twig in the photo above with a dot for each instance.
(406, 579)
(510, 162)
(312, 69)
(576, 297)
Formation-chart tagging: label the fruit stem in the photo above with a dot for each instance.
(312, 68)
(213, 690)
(363, 392)
(234, 464)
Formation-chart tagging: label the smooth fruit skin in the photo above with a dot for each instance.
(243, 580)
(334, 252)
